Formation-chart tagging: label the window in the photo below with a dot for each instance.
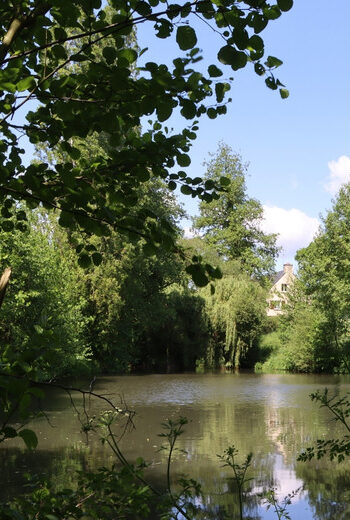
(275, 304)
(284, 287)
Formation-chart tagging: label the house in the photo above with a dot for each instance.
(278, 297)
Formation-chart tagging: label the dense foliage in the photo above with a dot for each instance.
(43, 317)
(236, 316)
(324, 269)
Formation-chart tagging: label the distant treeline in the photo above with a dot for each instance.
(115, 306)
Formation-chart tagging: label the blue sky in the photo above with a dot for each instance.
(294, 145)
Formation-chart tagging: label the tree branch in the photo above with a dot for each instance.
(17, 25)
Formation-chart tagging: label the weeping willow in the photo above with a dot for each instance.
(236, 313)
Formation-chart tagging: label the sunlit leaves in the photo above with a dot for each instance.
(26, 84)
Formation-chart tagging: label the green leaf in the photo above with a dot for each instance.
(209, 184)
(129, 54)
(66, 219)
(186, 9)
(164, 111)
(211, 113)
(164, 28)
(186, 190)
(186, 37)
(259, 23)
(197, 274)
(284, 93)
(183, 160)
(7, 87)
(241, 38)
(285, 5)
(272, 12)
(259, 69)
(29, 437)
(109, 54)
(172, 185)
(84, 261)
(59, 52)
(149, 249)
(27, 83)
(74, 154)
(7, 225)
(60, 34)
(226, 55)
(9, 432)
(189, 109)
(225, 181)
(214, 71)
(230, 56)
(173, 10)
(271, 83)
(220, 89)
(273, 62)
(96, 258)
(256, 43)
(143, 8)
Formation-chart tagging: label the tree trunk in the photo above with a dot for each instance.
(4, 280)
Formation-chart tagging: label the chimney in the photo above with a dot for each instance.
(288, 268)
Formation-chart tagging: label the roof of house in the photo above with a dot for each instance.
(277, 276)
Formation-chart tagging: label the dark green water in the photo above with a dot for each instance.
(269, 415)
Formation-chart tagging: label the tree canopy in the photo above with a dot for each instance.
(42, 42)
(231, 224)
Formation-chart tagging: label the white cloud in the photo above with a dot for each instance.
(295, 228)
(188, 232)
(339, 174)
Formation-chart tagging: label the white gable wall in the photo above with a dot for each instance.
(279, 291)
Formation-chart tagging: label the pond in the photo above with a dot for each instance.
(270, 415)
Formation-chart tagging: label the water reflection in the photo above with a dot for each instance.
(270, 415)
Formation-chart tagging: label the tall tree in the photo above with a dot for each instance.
(231, 222)
(128, 290)
(324, 270)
